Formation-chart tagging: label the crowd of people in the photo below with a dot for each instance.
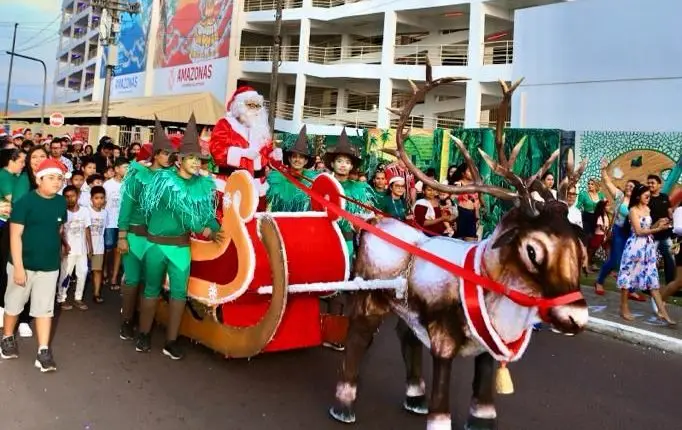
(64, 201)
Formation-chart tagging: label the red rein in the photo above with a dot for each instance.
(543, 304)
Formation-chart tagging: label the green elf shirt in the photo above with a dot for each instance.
(363, 193)
(283, 196)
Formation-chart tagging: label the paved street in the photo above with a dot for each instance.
(587, 382)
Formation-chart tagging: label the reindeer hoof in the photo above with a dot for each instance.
(474, 423)
(342, 414)
(416, 405)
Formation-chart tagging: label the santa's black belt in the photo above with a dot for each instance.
(139, 230)
(227, 171)
(182, 240)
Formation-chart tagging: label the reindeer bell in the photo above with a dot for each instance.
(503, 380)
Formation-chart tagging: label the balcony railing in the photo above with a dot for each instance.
(440, 55)
(332, 3)
(348, 117)
(416, 121)
(344, 54)
(498, 52)
(282, 110)
(264, 53)
(257, 5)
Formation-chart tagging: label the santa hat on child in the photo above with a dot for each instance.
(18, 133)
(50, 166)
(242, 94)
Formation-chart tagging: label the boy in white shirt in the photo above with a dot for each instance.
(98, 223)
(112, 258)
(77, 234)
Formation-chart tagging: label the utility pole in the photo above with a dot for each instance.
(276, 49)
(110, 40)
(9, 79)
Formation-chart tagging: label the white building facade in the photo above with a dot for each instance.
(77, 53)
(610, 65)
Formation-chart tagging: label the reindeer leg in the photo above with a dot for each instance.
(446, 339)
(411, 348)
(366, 315)
(482, 414)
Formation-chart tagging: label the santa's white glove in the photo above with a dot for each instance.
(251, 153)
(277, 154)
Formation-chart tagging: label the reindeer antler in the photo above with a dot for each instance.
(572, 175)
(502, 168)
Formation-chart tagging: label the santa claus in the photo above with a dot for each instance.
(242, 140)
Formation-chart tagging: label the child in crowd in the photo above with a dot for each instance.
(109, 173)
(94, 180)
(446, 206)
(36, 229)
(112, 259)
(77, 233)
(98, 222)
(78, 180)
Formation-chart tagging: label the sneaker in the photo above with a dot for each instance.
(173, 350)
(143, 343)
(45, 362)
(9, 348)
(25, 330)
(334, 346)
(80, 305)
(127, 332)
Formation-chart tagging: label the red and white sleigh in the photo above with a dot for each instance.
(261, 285)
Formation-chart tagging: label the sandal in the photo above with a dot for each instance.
(80, 305)
(115, 287)
(65, 306)
(98, 299)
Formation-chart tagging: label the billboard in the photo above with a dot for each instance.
(129, 74)
(192, 46)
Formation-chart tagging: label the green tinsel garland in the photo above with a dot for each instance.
(283, 196)
(134, 181)
(190, 200)
(360, 191)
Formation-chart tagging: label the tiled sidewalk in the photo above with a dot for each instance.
(646, 329)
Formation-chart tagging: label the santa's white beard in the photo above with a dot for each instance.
(257, 123)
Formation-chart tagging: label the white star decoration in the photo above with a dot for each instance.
(227, 200)
(213, 293)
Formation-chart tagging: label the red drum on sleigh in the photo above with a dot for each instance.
(260, 287)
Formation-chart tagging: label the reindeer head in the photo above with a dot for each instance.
(534, 249)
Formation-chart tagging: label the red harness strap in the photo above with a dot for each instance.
(515, 296)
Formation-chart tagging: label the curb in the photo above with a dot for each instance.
(635, 335)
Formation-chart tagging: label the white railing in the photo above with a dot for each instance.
(344, 54)
(332, 3)
(416, 121)
(440, 55)
(265, 53)
(348, 117)
(283, 110)
(493, 124)
(498, 52)
(257, 5)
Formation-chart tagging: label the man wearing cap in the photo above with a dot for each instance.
(282, 195)
(132, 225)
(175, 203)
(242, 140)
(36, 245)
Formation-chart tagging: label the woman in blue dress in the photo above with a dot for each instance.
(638, 265)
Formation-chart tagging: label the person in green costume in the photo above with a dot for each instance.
(282, 195)
(132, 226)
(342, 159)
(176, 203)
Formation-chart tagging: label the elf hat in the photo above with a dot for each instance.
(343, 147)
(301, 147)
(50, 166)
(161, 141)
(190, 141)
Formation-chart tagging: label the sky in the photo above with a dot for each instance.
(37, 36)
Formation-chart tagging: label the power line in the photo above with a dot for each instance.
(40, 32)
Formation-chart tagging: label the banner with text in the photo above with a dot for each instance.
(129, 73)
(192, 45)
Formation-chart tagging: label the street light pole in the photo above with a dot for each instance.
(9, 79)
(42, 108)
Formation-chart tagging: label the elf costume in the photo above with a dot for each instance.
(356, 190)
(132, 228)
(282, 195)
(174, 208)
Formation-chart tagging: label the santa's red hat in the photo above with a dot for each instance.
(18, 133)
(50, 166)
(243, 93)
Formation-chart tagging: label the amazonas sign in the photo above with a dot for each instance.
(208, 76)
(126, 86)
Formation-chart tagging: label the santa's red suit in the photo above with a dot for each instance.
(235, 145)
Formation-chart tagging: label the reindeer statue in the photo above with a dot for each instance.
(534, 251)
